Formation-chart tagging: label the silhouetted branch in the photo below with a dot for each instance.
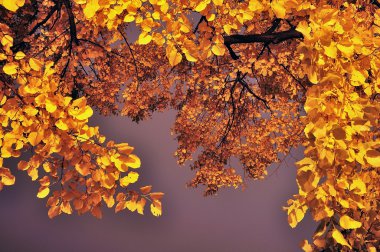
(73, 27)
(266, 38)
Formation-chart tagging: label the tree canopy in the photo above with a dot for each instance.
(250, 80)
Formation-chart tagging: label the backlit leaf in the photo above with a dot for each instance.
(347, 222)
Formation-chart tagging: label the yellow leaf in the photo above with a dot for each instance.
(278, 8)
(35, 64)
(12, 5)
(218, 2)
(35, 138)
(19, 55)
(66, 207)
(373, 158)
(91, 8)
(10, 68)
(50, 105)
(6, 177)
(173, 55)
(347, 222)
(124, 182)
(303, 27)
(347, 51)
(133, 177)
(131, 205)
(371, 248)
(201, 6)
(313, 77)
(7, 40)
(30, 110)
(140, 206)
(61, 125)
(357, 78)
(358, 186)
(344, 203)
(305, 246)
(3, 56)
(156, 208)
(43, 192)
(331, 50)
(144, 38)
(218, 49)
(133, 161)
(85, 114)
(129, 18)
(339, 238)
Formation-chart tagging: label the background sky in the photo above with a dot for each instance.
(232, 221)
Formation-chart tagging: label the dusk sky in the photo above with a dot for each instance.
(234, 220)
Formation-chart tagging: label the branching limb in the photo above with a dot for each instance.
(55, 8)
(133, 56)
(73, 27)
(288, 71)
(267, 39)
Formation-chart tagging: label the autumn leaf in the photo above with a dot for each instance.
(10, 68)
(145, 189)
(19, 55)
(173, 55)
(35, 64)
(43, 192)
(373, 158)
(156, 208)
(347, 222)
(144, 38)
(339, 238)
(218, 49)
(278, 8)
(12, 5)
(91, 8)
(253, 102)
(202, 5)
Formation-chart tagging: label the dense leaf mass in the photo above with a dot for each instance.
(250, 80)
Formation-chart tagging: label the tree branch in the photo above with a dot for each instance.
(376, 2)
(55, 8)
(133, 56)
(73, 27)
(266, 38)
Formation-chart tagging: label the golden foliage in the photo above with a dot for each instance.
(250, 80)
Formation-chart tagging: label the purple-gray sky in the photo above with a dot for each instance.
(233, 220)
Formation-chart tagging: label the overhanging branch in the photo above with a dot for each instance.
(266, 38)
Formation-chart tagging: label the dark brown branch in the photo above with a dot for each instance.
(230, 120)
(133, 56)
(65, 69)
(270, 38)
(55, 8)
(4, 79)
(73, 27)
(288, 71)
(376, 2)
(203, 18)
(245, 84)
(274, 26)
(101, 47)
